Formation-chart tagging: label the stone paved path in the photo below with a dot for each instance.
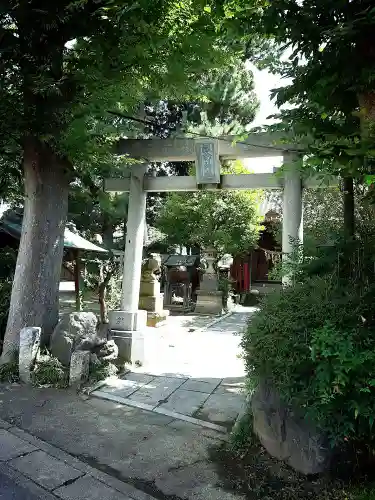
(33, 469)
(193, 371)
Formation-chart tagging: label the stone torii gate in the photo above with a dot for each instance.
(206, 153)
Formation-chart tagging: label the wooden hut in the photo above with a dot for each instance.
(74, 247)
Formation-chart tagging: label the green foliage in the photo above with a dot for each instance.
(365, 493)
(60, 81)
(114, 291)
(5, 291)
(9, 372)
(8, 258)
(222, 102)
(95, 212)
(226, 220)
(102, 371)
(50, 372)
(329, 58)
(242, 437)
(276, 273)
(313, 342)
(228, 102)
(94, 58)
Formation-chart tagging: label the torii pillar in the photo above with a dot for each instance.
(129, 323)
(292, 232)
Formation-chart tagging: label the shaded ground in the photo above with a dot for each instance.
(257, 476)
(245, 467)
(166, 458)
(162, 456)
(10, 490)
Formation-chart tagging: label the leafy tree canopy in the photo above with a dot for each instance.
(226, 220)
(224, 103)
(85, 58)
(330, 47)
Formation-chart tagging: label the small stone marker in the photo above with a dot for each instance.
(29, 345)
(79, 367)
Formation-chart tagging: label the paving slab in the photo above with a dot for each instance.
(125, 387)
(185, 402)
(15, 486)
(88, 488)
(123, 411)
(158, 390)
(184, 426)
(222, 408)
(234, 323)
(45, 470)
(140, 378)
(12, 447)
(231, 386)
(205, 386)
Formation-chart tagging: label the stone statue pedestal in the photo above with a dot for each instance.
(150, 298)
(209, 298)
(209, 302)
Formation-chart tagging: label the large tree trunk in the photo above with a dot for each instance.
(35, 292)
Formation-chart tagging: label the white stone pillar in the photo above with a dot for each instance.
(135, 233)
(129, 323)
(292, 207)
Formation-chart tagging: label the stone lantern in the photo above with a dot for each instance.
(209, 298)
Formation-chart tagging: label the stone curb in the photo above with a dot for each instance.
(144, 406)
(127, 490)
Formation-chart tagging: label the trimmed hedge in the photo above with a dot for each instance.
(315, 342)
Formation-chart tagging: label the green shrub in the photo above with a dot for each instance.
(50, 372)
(5, 291)
(8, 258)
(315, 344)
(9, 372)
(242, 437)
(102, 371)
(365, 493)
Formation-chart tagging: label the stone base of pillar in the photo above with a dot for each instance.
(131, 346)
(127, 329)
(127, 321)
(209, 302)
